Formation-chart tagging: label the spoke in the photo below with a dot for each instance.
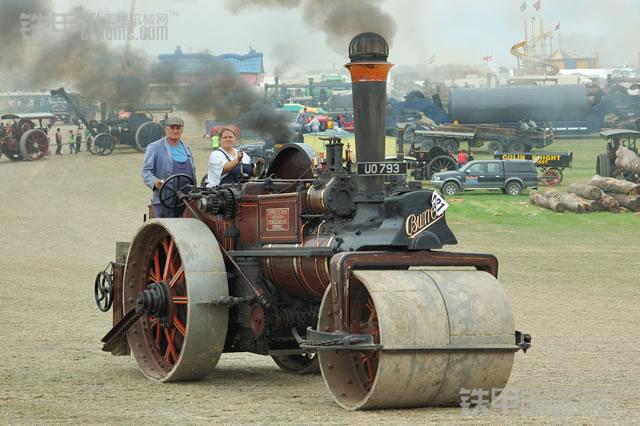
(156, 264)
(169, 260)
(372, 316)
(155, 324)
(153, 276)
(170, 348)
(173, 348)
(179, 274)
(179, 326)
(369, 306)
(369, 365)
(180, 300)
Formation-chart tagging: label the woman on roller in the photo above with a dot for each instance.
(227, 164)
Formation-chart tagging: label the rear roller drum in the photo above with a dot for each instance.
(417, 316)
(178, 265)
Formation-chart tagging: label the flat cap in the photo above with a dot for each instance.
(174, 121)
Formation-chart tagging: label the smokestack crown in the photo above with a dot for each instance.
(368, 47)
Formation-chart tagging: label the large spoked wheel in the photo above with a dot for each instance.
(102, 144)
(168, 192)
(181, 260)
(441, 163)
(34, 145)
(406, 312)
(145, 134)
(298, 364)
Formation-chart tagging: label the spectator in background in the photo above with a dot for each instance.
(463, 158)
(58, 142)
(314, 125)
(71, 139)
(78, 139)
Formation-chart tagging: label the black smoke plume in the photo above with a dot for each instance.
(85, 63)
(340, 21)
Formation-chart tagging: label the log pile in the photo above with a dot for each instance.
(600, 194)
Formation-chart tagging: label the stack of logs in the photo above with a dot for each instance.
(601, 194)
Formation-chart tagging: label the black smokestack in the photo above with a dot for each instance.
(369, 69)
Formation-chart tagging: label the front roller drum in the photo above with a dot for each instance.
(178, 264)
(440, 331)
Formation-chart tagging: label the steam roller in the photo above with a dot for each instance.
(326, 265)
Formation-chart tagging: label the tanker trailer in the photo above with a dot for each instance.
(317, 266)
(564, 107)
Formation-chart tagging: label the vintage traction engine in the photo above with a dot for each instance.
(317, 265)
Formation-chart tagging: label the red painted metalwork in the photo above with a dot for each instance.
(165, 265)
(364, 320)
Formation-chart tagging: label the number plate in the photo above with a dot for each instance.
(382, 168)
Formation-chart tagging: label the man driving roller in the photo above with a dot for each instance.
(163, 158)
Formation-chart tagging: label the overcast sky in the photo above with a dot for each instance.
(449, 31)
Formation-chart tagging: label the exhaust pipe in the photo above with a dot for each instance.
(369, 69)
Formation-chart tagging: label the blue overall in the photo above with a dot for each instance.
(178, 167)
(236, 173)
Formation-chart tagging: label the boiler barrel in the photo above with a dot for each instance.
(510, 104)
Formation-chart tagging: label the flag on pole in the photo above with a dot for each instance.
(523, 6)
(487, 58)
(557, 26)
(536, 5)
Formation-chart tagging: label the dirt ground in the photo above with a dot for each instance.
(60, 218)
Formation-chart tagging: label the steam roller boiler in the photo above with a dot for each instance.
(328, 264)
